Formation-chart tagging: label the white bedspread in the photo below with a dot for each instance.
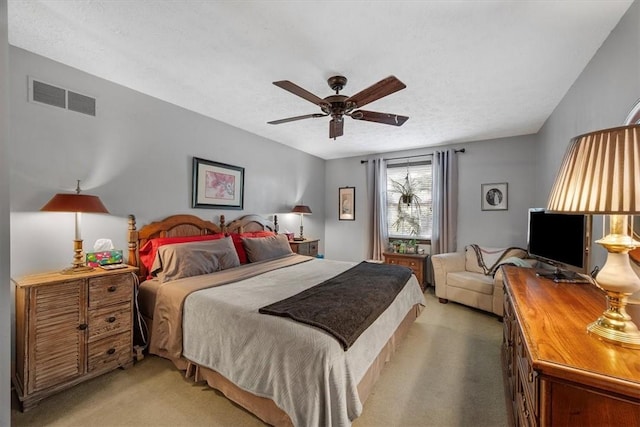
(302, 369)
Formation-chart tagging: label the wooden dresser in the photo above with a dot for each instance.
(416, 262)
(556, 374)
(70, 328)
(305, 247)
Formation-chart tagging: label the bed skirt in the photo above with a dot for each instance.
(265, 408)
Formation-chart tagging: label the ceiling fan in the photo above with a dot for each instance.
(337, 106)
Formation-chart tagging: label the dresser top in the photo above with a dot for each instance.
(57, 276)
(554, 317)
(405, 255)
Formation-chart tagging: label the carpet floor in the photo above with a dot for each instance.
(445, 373)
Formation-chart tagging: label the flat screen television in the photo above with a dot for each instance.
(561, 240)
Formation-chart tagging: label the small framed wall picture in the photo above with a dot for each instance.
(494, 197)
(347, 203)
(217, 185)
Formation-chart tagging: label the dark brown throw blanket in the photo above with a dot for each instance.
(347, 304)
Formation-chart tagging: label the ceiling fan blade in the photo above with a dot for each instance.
(373, 116)
(336, 128)
(293, 119)
(302, 93)
(381, 89)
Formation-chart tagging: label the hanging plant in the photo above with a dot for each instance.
(409, 205)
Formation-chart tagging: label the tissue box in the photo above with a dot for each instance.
(96, 259)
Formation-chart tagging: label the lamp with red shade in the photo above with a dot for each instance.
(77, 203)
(302, 210)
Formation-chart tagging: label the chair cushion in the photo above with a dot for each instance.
(477, 282)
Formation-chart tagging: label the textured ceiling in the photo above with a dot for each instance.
(474, 69)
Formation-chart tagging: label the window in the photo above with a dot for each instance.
(409, 217)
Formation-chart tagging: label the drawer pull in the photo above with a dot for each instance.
(111, 351)
(111, 289)
(111, 319)
(82, 326)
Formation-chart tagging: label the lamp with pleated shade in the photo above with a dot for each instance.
(302, 210)
(600, 175)
(77, 203)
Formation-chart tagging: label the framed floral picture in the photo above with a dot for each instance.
(217, 185)
(347, 203)
(494, 197)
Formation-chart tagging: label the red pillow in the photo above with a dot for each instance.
(148, 251)
(237, 242)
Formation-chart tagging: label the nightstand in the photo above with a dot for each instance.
(305, 247)
(416, 262)
(70, 328)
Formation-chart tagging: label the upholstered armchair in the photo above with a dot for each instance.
(474, 277)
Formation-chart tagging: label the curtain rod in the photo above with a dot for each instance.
(462, 150)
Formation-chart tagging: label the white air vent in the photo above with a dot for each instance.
(45, 93)
(81, 103)
(49, 95)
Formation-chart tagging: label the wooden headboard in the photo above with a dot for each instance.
(188, 225)
(171, 226)
(252, 223)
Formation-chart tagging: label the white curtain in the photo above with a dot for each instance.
(445, 202)
(377, 188)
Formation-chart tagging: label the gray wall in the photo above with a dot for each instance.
(136, 156)
(503, 160)
(346, 240)
(5, 293)
(601, 97)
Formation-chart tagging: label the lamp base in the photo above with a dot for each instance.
(76, 269)
(619, 281)
(78, 260)
(298, 239)
(615, 324)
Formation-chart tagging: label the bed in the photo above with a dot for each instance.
(211, 326)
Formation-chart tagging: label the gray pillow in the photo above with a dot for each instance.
(180, 260)
(264, 248)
